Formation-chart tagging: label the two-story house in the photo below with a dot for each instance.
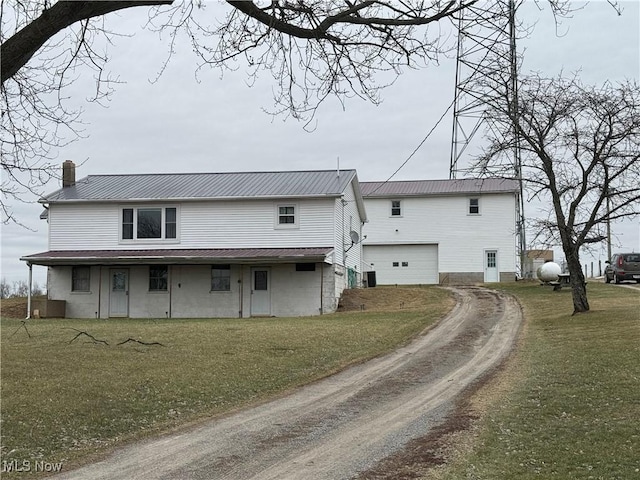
(203, 245)
(441, 231)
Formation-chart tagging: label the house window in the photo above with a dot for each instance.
(80, 279)
(396, 264)
(286, 215)
(405, 264)
(220, 278)
(149, 223)
(474, 206)
(305, 267)
(158, 278)
(170, 222)
(127, 223)
(396, 211)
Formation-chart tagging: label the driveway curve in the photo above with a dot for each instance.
(341, 425)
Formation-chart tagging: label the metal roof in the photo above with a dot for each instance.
(187, 186)
(182, 256)
(439, 187)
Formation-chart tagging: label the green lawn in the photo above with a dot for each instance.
(65, 400)
(569, 403)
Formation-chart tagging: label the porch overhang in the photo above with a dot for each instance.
(245, 256)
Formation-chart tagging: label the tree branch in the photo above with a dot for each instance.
(19, 48)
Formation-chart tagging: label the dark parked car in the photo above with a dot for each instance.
(623, 266)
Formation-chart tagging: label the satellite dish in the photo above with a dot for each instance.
(355, 238)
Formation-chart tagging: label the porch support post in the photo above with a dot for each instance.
(29, 291)
(321, 288)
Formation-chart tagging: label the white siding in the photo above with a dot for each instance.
(223, 224)
(347, 219)
(321, 222)
(461, 238)
(83, 226)
(421, 264)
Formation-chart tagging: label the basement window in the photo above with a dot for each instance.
(80, 279)
(220, 278)
(158, 278)
(305, 267)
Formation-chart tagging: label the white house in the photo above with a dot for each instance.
(203, 245)
(441, 231)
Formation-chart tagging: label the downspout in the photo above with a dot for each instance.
(321, 288)
(29, 291)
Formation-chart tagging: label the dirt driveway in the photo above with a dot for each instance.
(341, 426)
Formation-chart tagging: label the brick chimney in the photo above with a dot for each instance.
(68, 173)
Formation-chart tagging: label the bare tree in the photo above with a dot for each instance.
(5, 289)
(20, 288)
(580, 151)
(313, 50)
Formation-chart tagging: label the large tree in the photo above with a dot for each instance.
(312, 49)
(580, 154)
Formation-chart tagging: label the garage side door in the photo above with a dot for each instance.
(403, 264)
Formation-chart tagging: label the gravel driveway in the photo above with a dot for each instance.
(345, 424)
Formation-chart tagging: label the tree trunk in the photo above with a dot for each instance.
(578, 284)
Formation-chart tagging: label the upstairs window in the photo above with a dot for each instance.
(149, 223)
(220, 278)
(474, 206)
(396, 211)
(287, 216)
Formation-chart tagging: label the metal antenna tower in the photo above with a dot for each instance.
(486, 72)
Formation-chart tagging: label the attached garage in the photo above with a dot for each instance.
(408, 264)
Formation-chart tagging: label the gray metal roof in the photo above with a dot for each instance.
(193, 186)
(438, 187)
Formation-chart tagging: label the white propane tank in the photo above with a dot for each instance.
(549, 272)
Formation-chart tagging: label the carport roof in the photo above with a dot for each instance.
(179, 256)
(439, 187)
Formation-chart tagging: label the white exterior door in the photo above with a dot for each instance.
(403, 264)
(119, 293)
(491, 266)
(260, 291)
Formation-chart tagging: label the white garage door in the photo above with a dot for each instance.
(403, 264)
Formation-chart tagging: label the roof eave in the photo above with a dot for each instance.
(185, 260)
(187, 199)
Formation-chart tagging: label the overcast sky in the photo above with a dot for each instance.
(214, 124)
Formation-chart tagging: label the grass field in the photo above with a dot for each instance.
(568, 405)
(64, 400)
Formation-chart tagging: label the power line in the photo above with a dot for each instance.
(416, 149)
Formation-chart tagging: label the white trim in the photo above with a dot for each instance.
(286, 226)
(391, 215)
(469, 213)
(163, 225)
